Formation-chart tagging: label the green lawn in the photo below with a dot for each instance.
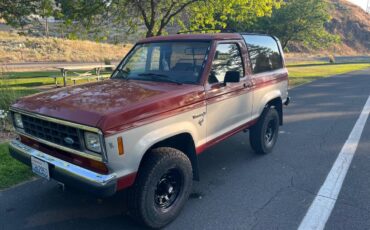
(17, 84)
(12, 172)
(303, 74)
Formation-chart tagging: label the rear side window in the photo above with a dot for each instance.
(264, 53)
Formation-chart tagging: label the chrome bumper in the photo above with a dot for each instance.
(65, 172)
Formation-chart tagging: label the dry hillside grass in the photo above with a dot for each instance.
(16, 48)
(351, 23)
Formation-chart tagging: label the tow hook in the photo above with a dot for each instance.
(287, 102)
(61, 186)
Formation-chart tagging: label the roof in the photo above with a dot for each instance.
(179, 37)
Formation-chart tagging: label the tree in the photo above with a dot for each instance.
(16, 12)
(46, 9)
(299, 21)
(157, 14)
(227, 14)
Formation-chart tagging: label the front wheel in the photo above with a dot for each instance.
(263, 135)
(162, 187)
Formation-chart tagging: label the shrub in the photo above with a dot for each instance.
(108, 62)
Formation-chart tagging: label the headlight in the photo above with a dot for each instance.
(92, 142)
(18, 120)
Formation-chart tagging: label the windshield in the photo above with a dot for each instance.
(177, 62)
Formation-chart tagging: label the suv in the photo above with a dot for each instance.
(170, 98)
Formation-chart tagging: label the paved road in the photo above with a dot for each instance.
(238, 189)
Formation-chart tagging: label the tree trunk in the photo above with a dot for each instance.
(149, 32)
(285, 43)
(46, 27)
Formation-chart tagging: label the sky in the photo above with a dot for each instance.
(361, 3)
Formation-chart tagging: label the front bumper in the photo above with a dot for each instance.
(65, 172)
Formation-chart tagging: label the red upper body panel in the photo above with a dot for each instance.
(112, 103)
(181, 37)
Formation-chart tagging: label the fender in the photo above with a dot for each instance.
(266, 98)
(156, 136)
(139, 140)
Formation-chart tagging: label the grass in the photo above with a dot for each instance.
(32, 79)
(17, 84)
(17, 48)
(12, 172)
(304, 74)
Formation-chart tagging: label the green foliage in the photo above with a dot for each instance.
(228, 14)
(155, 15)
(16, 12)
(299, 21)
(290, 20)
(12, 172)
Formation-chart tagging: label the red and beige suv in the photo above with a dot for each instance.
(169, 99)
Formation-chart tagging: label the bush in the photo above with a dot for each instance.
(7, 97)
(108, 62)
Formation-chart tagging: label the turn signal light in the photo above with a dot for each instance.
(120, 146)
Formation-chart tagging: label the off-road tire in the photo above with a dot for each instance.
(143, 201)
(257, 135)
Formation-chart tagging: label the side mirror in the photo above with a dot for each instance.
(232, 76)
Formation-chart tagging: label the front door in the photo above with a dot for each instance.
(229, 105)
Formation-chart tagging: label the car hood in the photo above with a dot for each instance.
(111, 103)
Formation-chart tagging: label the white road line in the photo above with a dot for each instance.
(323, 204)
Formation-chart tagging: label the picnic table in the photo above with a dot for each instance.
(96, 68)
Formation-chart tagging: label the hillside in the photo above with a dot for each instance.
(352, 24)
(16, 48)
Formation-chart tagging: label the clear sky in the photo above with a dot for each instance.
(361, 3)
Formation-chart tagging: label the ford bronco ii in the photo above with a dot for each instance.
(170, 98)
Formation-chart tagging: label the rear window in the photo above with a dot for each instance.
(264, 53)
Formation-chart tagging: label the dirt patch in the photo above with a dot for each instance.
(6, 136)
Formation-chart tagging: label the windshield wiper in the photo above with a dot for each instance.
(159, 76)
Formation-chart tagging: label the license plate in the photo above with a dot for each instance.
(40, 168)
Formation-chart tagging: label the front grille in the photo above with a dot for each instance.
(52, 132)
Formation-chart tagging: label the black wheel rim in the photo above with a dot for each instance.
(270, 132)
(168, 189)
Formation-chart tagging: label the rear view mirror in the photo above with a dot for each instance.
(232, 76)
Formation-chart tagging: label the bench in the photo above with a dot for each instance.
(87, 76)
(96, 68)
(55, 80)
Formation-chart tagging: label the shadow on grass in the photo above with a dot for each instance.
(30, 84)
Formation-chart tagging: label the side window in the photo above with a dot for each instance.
(227, 58)
(264, 53)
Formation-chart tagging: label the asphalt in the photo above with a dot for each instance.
(238, 189)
